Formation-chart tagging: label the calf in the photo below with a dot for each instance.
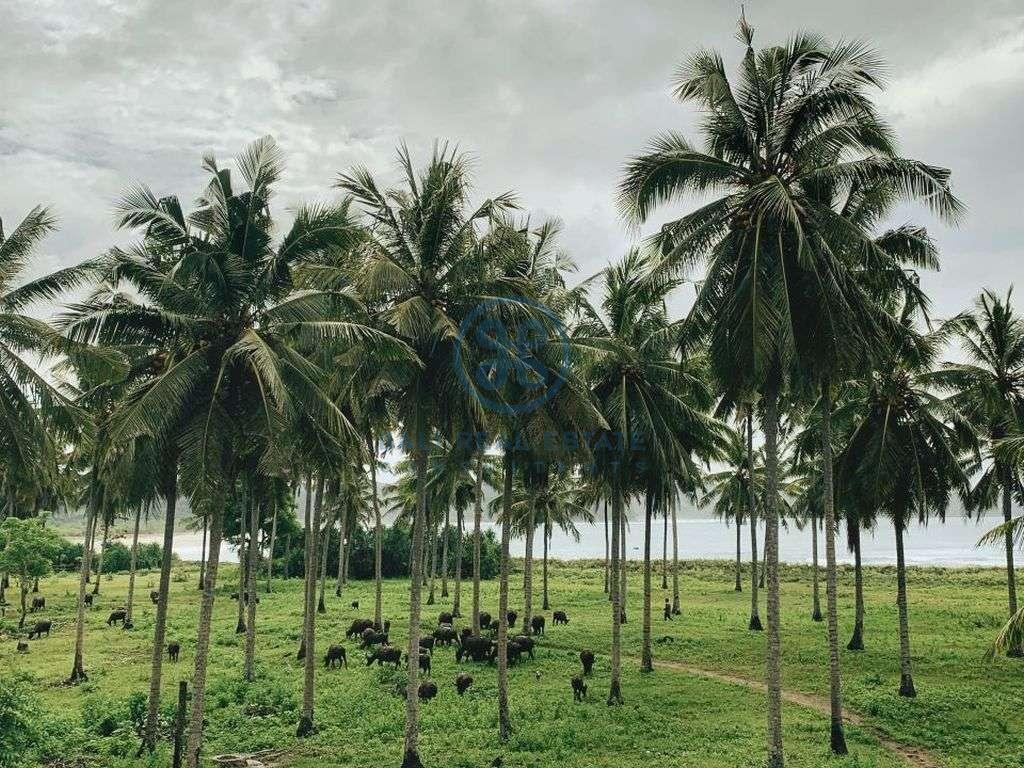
(385, 655)
(357, 627)
(38, 603)
(446, 618)
(355, 603)
(538, 625)
(116, 616)
(335, 656)
(154, 596)
(587, 660)
(173, 649)
(445, 635)
(525, 643)
(38, 630)
(425, 663)
(462, 682)
(373, 637)
(23, 647)
(427, 691)
(579, 688)
(485, 620)
(559, 617)
(427, 643)
(88, 599)
(511, 616)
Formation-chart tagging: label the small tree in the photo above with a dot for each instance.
(28, 553)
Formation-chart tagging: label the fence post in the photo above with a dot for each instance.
(179, 725)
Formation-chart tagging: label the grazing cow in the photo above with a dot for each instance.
(513, 652)
(466, 632)
(587, 660)
(154, 596)
(88, 599)
(559, 617)
(579, 688)
(23, 647)
(116, 616)
(427, 643)
(493, 626)
(357, 627)
(386, 629)
(335, 656)
(538, 625)
(668, 610)
(511, 616)
(462, 682)
(173, 649)
(38, 603)
(385, 655)
(445, 618)
(445, 635)
(424, 663)
(475, 648)
(355, 604)
(38, 630)
(373, 637)
(485, 619)
(427, 691)
(526, 643)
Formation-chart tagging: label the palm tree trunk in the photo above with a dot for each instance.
(837, 740)
(457, 602)
(622, 563)
(341, 553)
(676, 608)
(815, 589)
(411, 753)
(853, 532)
(307, 523)
(133, 567)
(504, 721)
(615, 686)
(477, 515)
(202, 555)
(906, 675)
(606, 561)
(739, 554)
(103, 554)
(170, 492)
(273, 540)
(444, 553)
(755, 616)
(664, 552)
(1011, 575)
(771, 545)
(324, 548)
(255, 521)
(77, 665)
(432, 568)
(531, 527)
(243, 530)
(547, 539)
(646, 658)
(195, 728)
(378, 537)
(764, 563)
(305, 727)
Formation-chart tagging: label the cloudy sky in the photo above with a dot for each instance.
(548, 97)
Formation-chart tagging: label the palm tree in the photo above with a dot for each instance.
(800, 119)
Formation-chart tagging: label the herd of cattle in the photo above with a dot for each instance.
(374, 640)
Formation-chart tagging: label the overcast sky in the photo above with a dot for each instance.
(550, 98)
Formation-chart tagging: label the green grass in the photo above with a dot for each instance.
(968, 713)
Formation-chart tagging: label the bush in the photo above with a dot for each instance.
(22, 722)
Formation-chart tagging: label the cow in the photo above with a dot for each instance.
(587, 660)
(526, 643)
(386, 628)
(445, 635)
(427, 691)
(427, 643)
(538, 625)
(22, 646)
(38, 603)
(579, 688)
(485, 619)
(513, 652)
(88, 599)
(667, 611)
(154, 596)
(355, 603)
(335, 656)
(116, 616)
(462, 682)
(466, 632)
(511, 616)
(424, 663)
(38, 630)
(173, 649)
(357, 627)
(559, 617)
(475, 648)
(385, 655)
(373, 637)
(445, 618)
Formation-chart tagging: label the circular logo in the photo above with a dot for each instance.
(512, 354)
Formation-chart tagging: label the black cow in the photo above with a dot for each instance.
(424, 663)
(38, 603)
(466, 632)
(88, 599)
(462, 682)
(559, 617)
(385, 655)
(427, 643)
(587, 660)
(373, 637)
(427, 691)
(526, 643)
(335, 656)
(511, 616)
(23, 647)
(154, 596)
(445, 635)
(475, 648)
(445, 618)
(579, 688)
(355, 603)
(485, 619)
(386, 629)
(173, 649)
(357, 627)
(116, 616)
(538, 625)
(38, 630)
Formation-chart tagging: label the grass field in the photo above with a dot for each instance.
(968, 713)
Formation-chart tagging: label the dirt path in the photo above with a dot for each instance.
(911, 755)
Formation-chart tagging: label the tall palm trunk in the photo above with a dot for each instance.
(273, 541)
(77, 665)
(615, 686)
(837, 740)
(170, 492)
(755, 616)
(432, 568)
(255, 520)
(411, 758)
(853, 533)
(457, 602)
(444, 553)
(664, 552)
(1011, 575)
(547, 538)
(622, 562)
(531, 527)
(771, 544)
(202, 555)
(477, 515)
(341, 552)
(646, 658)
(815, 589)
(243, 530)
(305, 727)
(676, 608)
(504, 721)
(103, 554)
(378, 536)
(324, 548)
(739, 555)
(906, 673)
(195, 728)
(607, 566)
(134, 566)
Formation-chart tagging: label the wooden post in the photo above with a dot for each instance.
(179, 725)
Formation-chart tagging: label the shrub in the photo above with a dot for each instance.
(22, 722)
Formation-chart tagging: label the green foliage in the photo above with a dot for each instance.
(118, 557)
(22, 721)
